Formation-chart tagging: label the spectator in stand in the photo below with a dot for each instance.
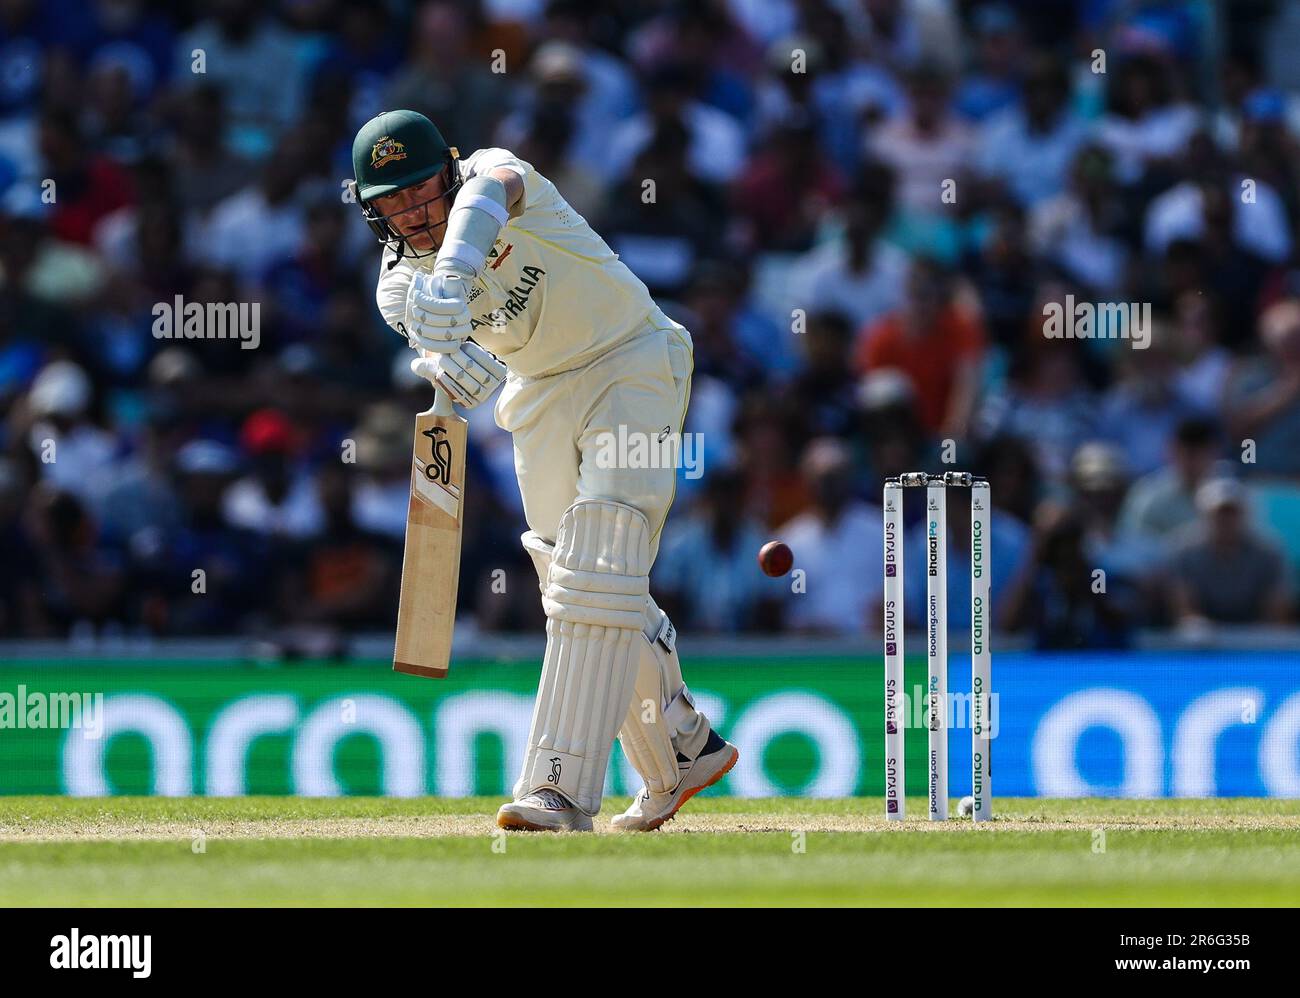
(365, 53)
(259, 225)
(715, 301)
(901, 34)
(1222, 570)
(928, 148)
(299, 284)
(445, 81)
(1080, 232)
(714, 144)
(1263, 395)
(1098, 481)
(1004, 274)
(1027, 149)
(664, 237)
(348, 574)
(837, 91)
(1267, 149)
(1053, 596)
(1146, 127)
(85, 187)
(1163, 502)
(1141, 409)
(892, 433)
(1210, 203)
(59, 428)
(81, 582)
(838, 545)
(824, 390)
(768, 450)
(935, 343)
(256, 64)
(1014, 479)
(1203, 362)
(277, 499)
(548, 133)
(206, 167)
(782, 195)
(20, 595)
(994, 84)
(705, 575)
(857, 274)
(609, 91)
(1045, 402)
(202, 575)
(703, 39)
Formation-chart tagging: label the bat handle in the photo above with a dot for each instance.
(441, 403)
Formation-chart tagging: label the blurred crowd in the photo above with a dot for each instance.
(859, 208)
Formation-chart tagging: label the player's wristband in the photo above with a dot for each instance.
(475, 222)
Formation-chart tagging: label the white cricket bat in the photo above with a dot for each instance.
(426, 610)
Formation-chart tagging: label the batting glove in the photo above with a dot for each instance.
(437, 314)
(469, 375)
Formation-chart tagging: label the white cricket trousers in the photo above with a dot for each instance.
(562, 425)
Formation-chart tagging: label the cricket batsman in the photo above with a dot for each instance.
(491, 277)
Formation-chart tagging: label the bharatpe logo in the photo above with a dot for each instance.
(182, 320)
(639, 449)
(32, 710)
(1103, 321)
(91, 952)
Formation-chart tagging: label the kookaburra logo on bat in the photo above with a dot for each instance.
(439, 467)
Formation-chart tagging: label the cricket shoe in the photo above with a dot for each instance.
(650, 810)
(543, 811)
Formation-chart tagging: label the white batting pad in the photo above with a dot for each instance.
(647, 735)
(594, 600)
(662, 720)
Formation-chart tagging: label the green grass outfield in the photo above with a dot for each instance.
(719, 851)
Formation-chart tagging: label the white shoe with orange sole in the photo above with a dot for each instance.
(648, 811)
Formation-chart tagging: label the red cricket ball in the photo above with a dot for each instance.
(775, 558)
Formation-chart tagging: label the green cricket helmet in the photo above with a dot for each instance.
(393, 151)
